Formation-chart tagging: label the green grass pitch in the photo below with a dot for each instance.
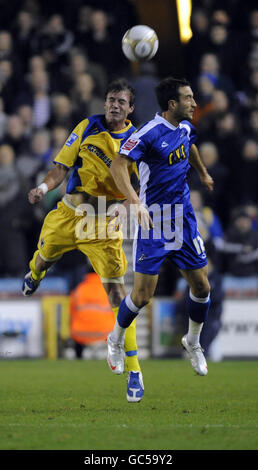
(81, 405)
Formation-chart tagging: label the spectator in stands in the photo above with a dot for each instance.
(54, 41)
(144, 84)
(15, 135)
(248, 170)
(41, 148)
(252, 210)
(217, 200)
(12, 215)
(197, 45)
(208, 222)
(84, 99)
(241, 245)
(100, 41)
(204, 96)
(254, 80)
(39, 98)
(59, 135)
(6, 46)
(83, 25)
(24, 31)
(253, 28)
(25, 113)
(210, 64)
(9, 85)
(61, 112)
(227, 136)
(252, 127)
(3, 119)
(219, 105)
(38, 158)
(230, 52)
(79, 64)
(36, 63)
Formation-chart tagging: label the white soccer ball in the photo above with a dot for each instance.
(140, 43)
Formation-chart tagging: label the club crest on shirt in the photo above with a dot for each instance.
(71, 139)
(130, 144)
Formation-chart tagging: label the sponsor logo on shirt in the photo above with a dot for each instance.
(71, 139)
(130, 144)
(100, 154)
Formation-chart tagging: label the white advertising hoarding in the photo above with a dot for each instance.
(21, 332)
(239, 333)
(238, 336)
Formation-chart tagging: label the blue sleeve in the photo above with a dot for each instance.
(193, 135)
(135, 147)
(191, 132)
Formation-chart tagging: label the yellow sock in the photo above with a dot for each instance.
(130, 347)
(37, 275)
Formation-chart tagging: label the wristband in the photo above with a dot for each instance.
(43, 187)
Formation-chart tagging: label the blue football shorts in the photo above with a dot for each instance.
(188, 253)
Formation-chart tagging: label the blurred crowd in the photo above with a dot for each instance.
(56, 59)
(222, 64)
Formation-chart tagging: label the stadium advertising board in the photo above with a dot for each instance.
(20, 329)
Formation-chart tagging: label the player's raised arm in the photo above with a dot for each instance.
(196, 162)
(51, 181)
(119, 171)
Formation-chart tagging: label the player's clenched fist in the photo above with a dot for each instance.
(35, 195)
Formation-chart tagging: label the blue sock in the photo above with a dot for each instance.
(198, 308)
(127, 312)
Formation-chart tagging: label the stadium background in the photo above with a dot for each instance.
(56, 59)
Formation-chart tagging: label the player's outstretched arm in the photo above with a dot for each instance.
(119, 171)
(196, 162)
(51, 181)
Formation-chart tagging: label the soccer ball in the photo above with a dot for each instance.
(140, 43)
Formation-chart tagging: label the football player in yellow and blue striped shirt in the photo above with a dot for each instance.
(88, 153)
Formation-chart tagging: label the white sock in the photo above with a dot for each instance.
(118, 333)
(194, 331)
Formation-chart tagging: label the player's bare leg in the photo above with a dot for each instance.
(198, 306)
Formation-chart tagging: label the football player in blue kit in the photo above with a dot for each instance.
(164, 148)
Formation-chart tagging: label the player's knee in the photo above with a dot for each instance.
(115, 295)
(201, 289)
(141, 297)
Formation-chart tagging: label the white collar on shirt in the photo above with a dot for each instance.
(164, 121)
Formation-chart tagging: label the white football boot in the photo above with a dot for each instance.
(196, 356)
(115, 356)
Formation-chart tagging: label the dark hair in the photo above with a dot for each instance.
(121, 84)
(167, 90)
